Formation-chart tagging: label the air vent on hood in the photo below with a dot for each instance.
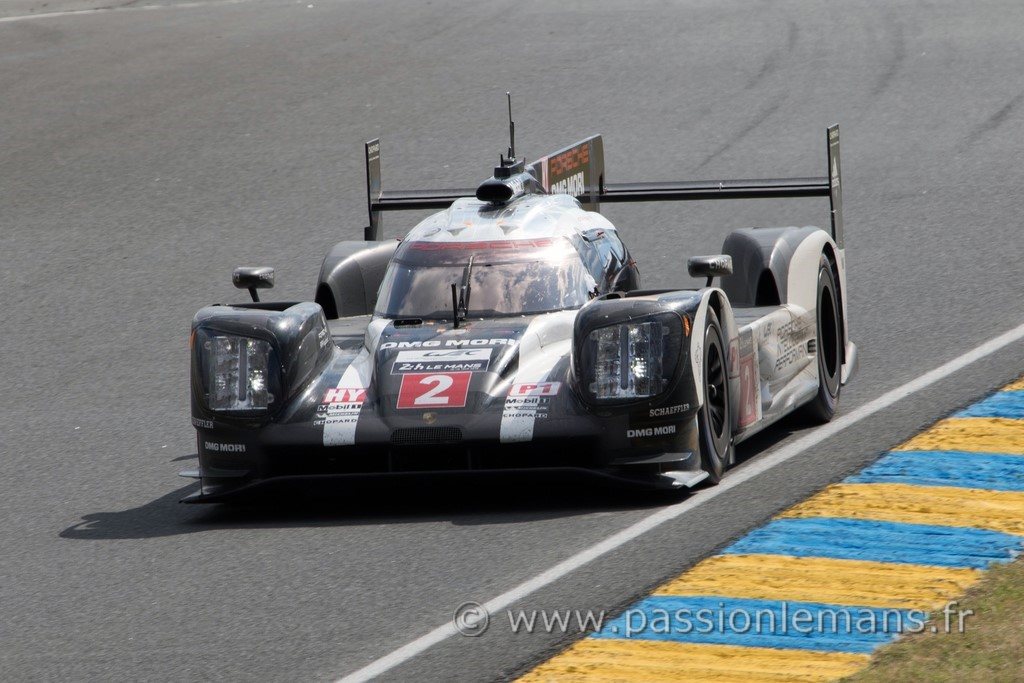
(426, 436)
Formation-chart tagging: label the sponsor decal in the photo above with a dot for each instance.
(535, 389)
(447, 343)
(202, 424)
(215, 447)
(569, 160)
(515, 184)
(566, 172)
(354, 395)
(573, 185)
(457, 343)
(644, 432)
(789, 346)
(789, 358)
(442, 361)
(734, 357)
(669, 410)
(341, 406)
(334, 416)
(434, 390)
(750, 388)
(323, 337)
(339, 414)
(529, 407)
(526, 403)
(720, 263)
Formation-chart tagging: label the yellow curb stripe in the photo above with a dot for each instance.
(1015, 386)
(935, 505)
(972, 434)
(662, 661)
(824, 580)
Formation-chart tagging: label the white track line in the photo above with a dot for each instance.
(108, 10)
(759, 466)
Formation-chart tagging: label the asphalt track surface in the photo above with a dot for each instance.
(146, 153)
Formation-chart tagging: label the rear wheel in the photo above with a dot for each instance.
(828, 346)
(714, 420)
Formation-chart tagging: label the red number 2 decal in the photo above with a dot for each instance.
(434, 397)
(435, 390)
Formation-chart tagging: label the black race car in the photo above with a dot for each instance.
(509, 332)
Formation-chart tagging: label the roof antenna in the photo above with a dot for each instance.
(511, 130)
(509, 166)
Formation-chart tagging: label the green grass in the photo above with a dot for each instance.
(991, 648)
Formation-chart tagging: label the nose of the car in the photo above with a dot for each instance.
(445, 371)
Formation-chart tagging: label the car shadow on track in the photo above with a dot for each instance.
(769, 438)
(380, 502)
(369, 504)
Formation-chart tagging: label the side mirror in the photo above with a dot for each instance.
(709, 266)
(253, 279)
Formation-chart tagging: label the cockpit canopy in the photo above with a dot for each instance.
(505, 277)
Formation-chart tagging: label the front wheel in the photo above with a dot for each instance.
(828, 347)
(714, 420)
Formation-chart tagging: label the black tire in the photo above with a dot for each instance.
(714, 419)
(828, 347)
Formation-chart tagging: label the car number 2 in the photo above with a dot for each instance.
(434, 390)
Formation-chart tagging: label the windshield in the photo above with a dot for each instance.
(518, 277)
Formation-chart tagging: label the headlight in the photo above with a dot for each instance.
(237, 373)
(633, 360)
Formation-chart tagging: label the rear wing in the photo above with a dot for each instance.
(578, 170)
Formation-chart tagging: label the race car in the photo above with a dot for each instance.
(508, 332)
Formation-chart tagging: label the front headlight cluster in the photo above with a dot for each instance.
(633, 360)
(237, 373)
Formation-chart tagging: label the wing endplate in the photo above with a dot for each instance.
(576, 170)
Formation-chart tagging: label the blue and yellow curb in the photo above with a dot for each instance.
(897, 540)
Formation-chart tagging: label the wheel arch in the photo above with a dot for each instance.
(714, 299)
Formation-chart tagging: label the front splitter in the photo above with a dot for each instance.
(327, 483)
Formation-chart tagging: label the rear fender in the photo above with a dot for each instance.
(763, 263)
(802, 276)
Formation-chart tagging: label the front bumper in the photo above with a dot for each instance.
(261, 466)
(685, 473)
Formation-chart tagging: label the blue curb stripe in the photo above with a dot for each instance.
(855, 539)
(1002, 404)
(946, 468)
(761, 623)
